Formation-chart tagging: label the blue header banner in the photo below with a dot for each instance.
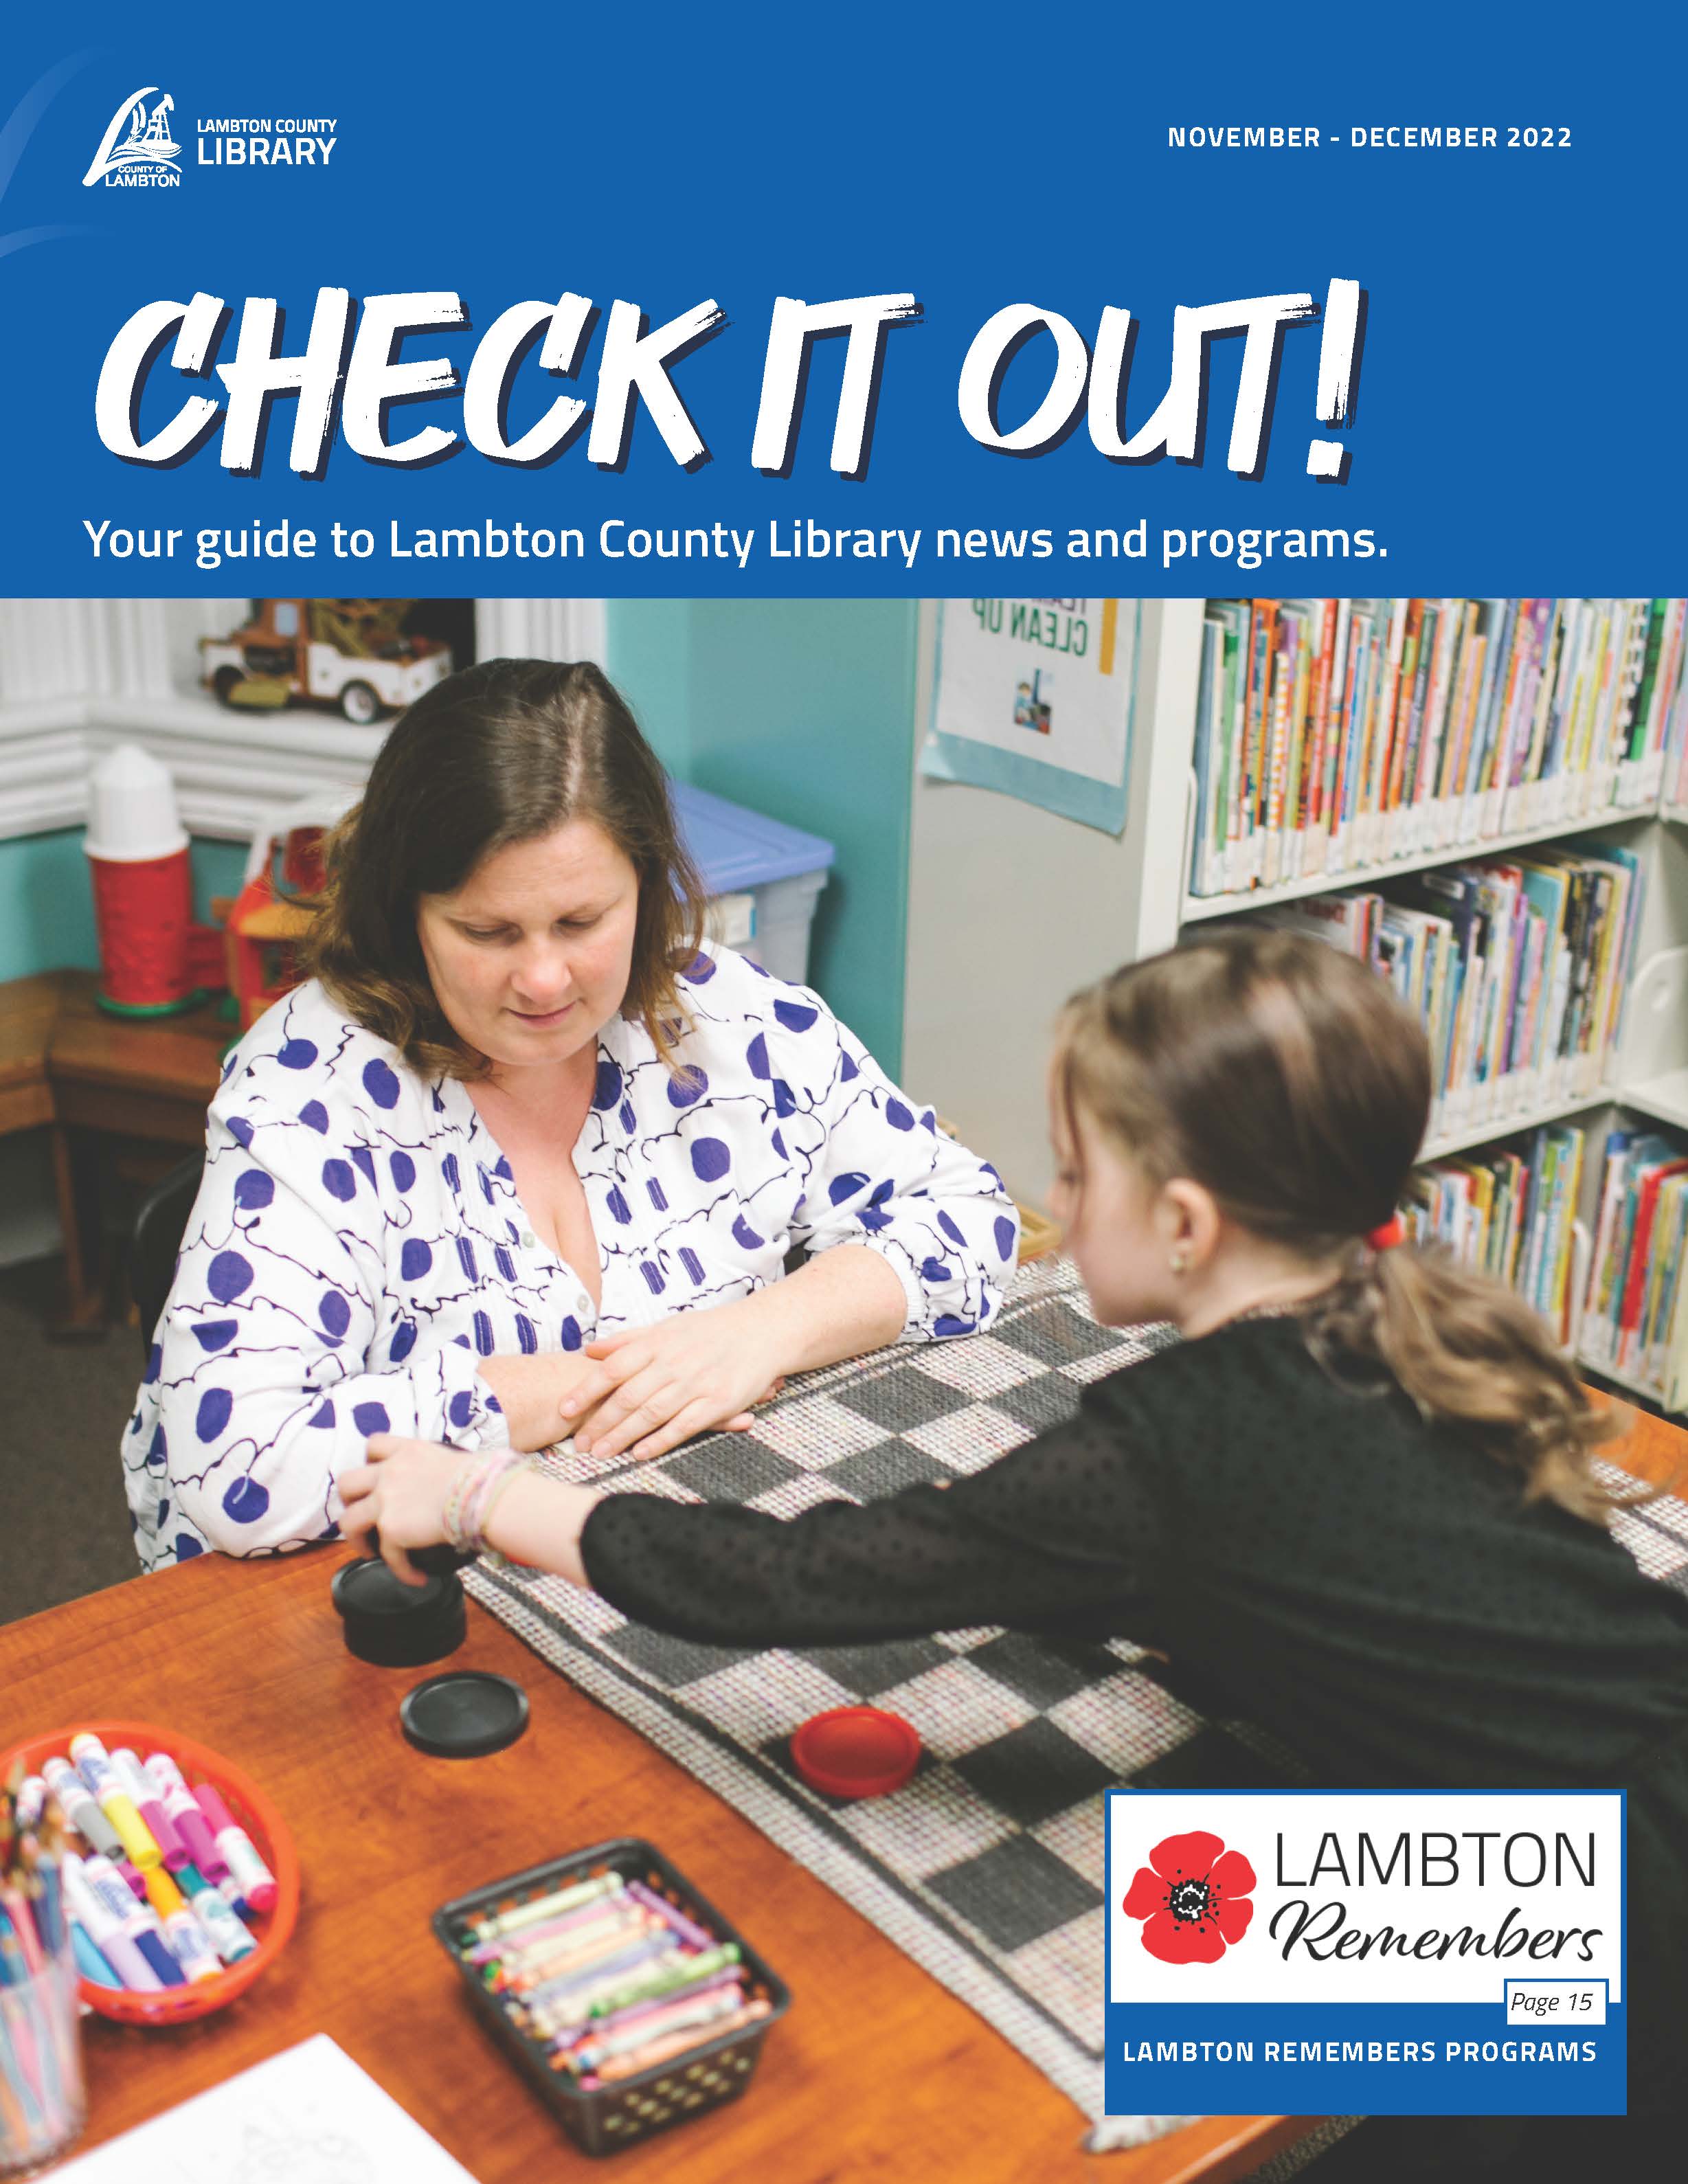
(918, 301)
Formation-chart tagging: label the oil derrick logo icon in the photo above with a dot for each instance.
(136, 139)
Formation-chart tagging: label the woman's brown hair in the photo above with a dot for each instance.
(1286, 1078)
(504, 752)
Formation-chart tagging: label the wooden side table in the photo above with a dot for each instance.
(99, 1082)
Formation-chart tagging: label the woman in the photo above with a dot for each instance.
(503, 1171)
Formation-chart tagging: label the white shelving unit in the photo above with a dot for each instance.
(989, 872)
(1649, 1077)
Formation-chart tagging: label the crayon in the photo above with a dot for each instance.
(561, 1899)
(687, 1929)
(657, 2020)
(711, 1983)
(610, 1966)
(584, 1948)
(527, 1938)
(662, 1982)
(659, 2051)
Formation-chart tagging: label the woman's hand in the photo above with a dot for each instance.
(531, 1391)
(401, 1491)
(652, 1387)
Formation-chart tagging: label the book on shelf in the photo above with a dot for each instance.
(1633, 1324)
(1510, 1213)
(1518, 967)
(1335, 735)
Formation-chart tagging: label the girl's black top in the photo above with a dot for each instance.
(1312, 1554)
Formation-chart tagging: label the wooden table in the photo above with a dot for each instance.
(94, 1078)
(876, 2070)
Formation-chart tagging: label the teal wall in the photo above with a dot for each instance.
(804, 710)
(47, 905)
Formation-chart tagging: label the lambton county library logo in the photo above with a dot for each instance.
(137, 149)
(1193, 1897)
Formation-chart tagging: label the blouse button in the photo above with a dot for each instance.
(527, 1239)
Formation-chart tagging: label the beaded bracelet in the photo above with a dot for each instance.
(478, 1487)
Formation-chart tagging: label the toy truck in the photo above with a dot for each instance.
(349, 653)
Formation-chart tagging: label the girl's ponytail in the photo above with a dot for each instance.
(1470, 1352)
(1285, 1077)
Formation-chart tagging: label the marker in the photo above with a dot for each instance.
(225, 1929)
(104, 1926)
(131, 1880)
(70, 1794)
(246, 1869)
(144, 1793)
(191, 1946)
(30, 1803)
(94, 1764)
(90, 1962)
(139, 1925)
(165, 1896)
(185, 1816)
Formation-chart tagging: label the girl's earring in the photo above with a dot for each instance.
(1178, 1262)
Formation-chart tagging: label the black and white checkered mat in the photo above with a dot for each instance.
(987, 1868)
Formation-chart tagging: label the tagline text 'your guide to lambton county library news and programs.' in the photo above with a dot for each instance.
(787, 538)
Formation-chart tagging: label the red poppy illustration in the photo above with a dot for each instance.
(1195, 1902)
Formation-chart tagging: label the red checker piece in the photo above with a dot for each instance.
(855, 1752)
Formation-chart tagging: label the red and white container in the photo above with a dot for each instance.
(143, 890)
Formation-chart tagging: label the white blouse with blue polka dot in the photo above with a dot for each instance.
(358, 1246)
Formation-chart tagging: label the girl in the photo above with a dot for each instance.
(1357, 1500)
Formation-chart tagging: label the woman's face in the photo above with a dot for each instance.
(530, 958)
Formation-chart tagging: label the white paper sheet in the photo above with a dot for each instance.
(308, 2115)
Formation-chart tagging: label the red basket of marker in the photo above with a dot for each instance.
(178, 1873)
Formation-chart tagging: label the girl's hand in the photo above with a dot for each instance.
(653, 1387)
(401, 1491)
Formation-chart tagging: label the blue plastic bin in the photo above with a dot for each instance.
(781, 868)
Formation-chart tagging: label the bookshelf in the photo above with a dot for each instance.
(1646, 1080)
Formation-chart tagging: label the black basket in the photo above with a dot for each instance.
(603, 2118)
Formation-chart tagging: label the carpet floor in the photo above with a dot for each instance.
(66, 1525)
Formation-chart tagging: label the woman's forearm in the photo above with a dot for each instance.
(843, 1302)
